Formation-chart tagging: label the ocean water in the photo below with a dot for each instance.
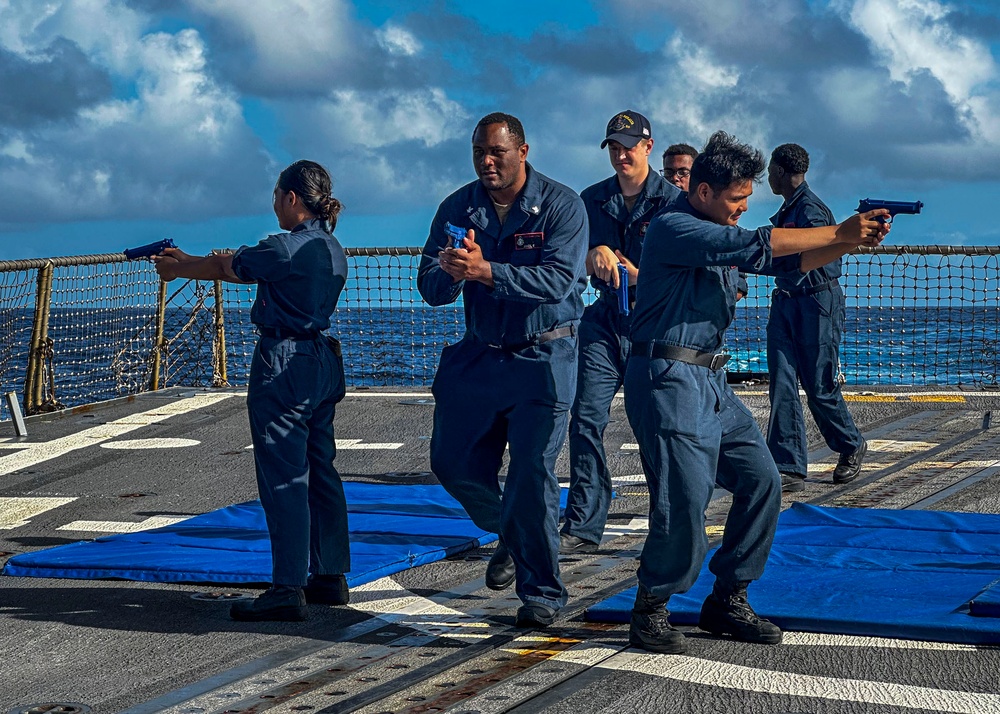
(101, 353)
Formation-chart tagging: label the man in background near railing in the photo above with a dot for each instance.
(511, 379)
(803, 340)
(619, 209)
(296, 379)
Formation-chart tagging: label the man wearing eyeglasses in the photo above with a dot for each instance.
(677, 162)
(618, 209)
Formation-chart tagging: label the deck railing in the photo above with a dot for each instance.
(74, 330)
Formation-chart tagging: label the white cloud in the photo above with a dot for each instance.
(377, 119)
(293, 43)
(695, 94)
(913, 35)
(398, 41)
(177, 148)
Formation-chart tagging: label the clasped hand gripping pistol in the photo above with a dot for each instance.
(456, 234)
(893, 207)
(149, 250)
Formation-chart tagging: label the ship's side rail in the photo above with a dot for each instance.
(78, 329)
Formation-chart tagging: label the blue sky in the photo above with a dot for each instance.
(127, 121)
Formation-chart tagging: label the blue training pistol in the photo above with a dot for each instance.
(622, 289)
(893, 207)
(149, 250)
(456, 234)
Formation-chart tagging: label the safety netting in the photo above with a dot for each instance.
(77, 330)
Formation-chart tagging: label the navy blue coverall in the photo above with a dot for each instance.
(604, 348)
(296, 379)
(803, 345)
(693, 431)
(511, 379)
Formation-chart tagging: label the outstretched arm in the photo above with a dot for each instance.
(174, 263)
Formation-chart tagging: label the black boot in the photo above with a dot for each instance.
(727, 612)
(500, 571)
(849, 465)
(280, 602)
(650, 629)
(327, 590)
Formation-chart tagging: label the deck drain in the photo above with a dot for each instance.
(418, 402)
(53, 708)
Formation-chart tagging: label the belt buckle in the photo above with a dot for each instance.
(718, 361)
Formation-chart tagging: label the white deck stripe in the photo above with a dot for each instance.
(38, 452)
(358, 444)
(812, 639)
(121, 526)
(733, 676)
(390, 601)
(137, 444)
(19, 510)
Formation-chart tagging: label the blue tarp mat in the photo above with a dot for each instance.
(987, 603)
(392, 528)
(906, 574)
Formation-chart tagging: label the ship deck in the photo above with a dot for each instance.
(433, 638)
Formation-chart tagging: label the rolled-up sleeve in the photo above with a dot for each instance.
(267, 261)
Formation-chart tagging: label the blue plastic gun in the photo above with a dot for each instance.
(456, 234)
(149, 250)
(893, 207)
(623, 289)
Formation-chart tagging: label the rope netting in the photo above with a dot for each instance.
(924, 315)
(927, 315)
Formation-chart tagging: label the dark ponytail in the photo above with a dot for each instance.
(314, 187)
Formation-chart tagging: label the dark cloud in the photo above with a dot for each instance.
(769, 33)
(49, 86)
(980, 23)
(597, 51)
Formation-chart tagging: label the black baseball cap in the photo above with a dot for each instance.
(627, 128)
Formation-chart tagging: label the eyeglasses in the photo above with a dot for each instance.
(679, 173)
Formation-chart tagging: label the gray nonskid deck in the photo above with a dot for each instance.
(433, 638)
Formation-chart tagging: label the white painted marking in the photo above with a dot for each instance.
(357, 444)
(630, 447)
(636, 525)
(19, 510)
(390, 601)
(128, 444)
(899, 445)
(811, 639)
(121, 526)
(634, 478)
(40, 452)
(734, 676)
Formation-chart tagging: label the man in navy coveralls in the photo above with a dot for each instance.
(619, 209)
(693, 431)
(510, 381)
(803, 339)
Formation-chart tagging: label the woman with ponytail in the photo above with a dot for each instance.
(296, 379)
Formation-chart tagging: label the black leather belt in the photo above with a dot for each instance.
(279, 333)
(658, 350)
(539, 339)
(811, 290)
